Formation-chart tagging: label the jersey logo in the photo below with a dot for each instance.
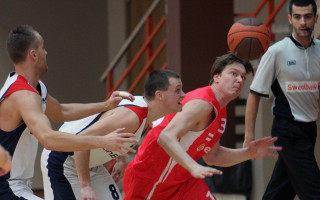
(207, 149)
(302, 86)
(291, 62)
(111, 153)
(200, 147)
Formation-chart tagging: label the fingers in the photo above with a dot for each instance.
(124, 95)
(275, 148)
(118, 130)
(202, 172)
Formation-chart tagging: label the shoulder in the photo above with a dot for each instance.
(197, 108)
(278, 46)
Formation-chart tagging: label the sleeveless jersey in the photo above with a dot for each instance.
(57, 166)
(292, 73)
(20, 143)
(146, 163)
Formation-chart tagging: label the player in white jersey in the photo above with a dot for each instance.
(24, 102)
(163, 94)
(291, 69)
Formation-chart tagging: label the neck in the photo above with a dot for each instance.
(304, 41)
(154, 111)
(27, 73)
(222, 99)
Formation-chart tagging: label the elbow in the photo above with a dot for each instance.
(58, 118)
(162, 139)
(46, 143)
(208, 161)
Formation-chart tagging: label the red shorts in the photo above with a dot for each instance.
(139, 189)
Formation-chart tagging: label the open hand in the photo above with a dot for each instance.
(201, 171)
(261, 147)
(115, 141)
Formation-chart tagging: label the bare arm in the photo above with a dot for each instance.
(82, 165)
(120, 117)
(29, 104)
(225, 157)
(68, 112)
(250, 118)
(193, 114)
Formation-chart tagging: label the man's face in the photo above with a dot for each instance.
(42, 56)
(301, 19)
(231, 80)
(173, 96)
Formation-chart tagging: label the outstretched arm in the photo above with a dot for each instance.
(68, 112)
(250, 118)
(38, 123)
(225, 157)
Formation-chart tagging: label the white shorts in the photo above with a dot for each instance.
(21, 188)
(68, 187)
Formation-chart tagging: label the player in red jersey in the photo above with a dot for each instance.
(165, 166)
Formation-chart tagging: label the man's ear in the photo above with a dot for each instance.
(158, 95)
(289, 19)
(216, 78)
(32, 55)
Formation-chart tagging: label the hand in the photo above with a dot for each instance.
(87, 193)
(5, 161)
(118, 169)
(201, 171)
(116, 97)
(261, 148)
(115, 140)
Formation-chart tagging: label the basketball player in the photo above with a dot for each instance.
(24, 102)
(163, 94)
(165, 166)
(291, 69)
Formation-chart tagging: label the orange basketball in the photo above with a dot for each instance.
(248, 39)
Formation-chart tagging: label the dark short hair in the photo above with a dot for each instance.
(19, 41)
(222, 61)
(158, 80)
(303, 3)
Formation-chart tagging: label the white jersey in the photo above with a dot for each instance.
(20, 143)
(292, 78)
(58, 168)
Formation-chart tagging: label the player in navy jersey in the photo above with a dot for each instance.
(24, 102)
(163, 94)
(291, 70)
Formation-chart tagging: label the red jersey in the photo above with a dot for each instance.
(155, 166)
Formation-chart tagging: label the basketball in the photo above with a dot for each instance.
(248, 39)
